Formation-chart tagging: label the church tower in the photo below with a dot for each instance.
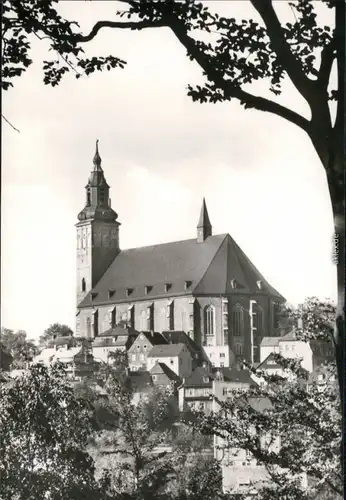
(204, 228)
(97, 232)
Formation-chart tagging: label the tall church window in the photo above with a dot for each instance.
(209, 322)
(102, 196)
(225, 321)
(150, 318)
(131, 317)
(276, 315)
(88, 197)
(95, 323)
(237, 321)
(143, 321)
(88, 328)
(83, 285)
(170, 315)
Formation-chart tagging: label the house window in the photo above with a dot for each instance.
(170, 315)
(224, 391)
(171, 361)
(222, 364)
(237, 321)
(239, 349)
(88, 328)
(154, 377)
(209, 321)
(83, 285)
(133, 357)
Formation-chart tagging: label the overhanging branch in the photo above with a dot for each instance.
(140, 25)
(288, 61)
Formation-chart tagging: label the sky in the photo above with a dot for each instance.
(161, 154)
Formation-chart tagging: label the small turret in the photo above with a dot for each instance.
(204, 228)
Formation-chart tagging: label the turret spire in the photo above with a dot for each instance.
(204, 228)
(97, 158)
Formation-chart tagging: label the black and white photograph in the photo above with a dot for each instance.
(172, 250)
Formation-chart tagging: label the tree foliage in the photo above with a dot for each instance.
(291, 424)
(44, 431)
(19, 346)
(55, 330)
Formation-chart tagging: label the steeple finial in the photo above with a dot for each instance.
(97, 158)
(204, 228)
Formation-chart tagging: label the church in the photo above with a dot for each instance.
(204, 286)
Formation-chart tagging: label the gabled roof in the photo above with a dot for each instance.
(208, 267)
(154, 338)
(266, 363)
(168, 350)
(180, 337)
(234, 375)
(117, 331)
(162, 368)
(270, 341)
(200, 377)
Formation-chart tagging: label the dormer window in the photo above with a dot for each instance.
(187, 284)
(93, 295)
(168, 286)
(233, 284)
(129, 291)
(147, 289)
(111, 293)
(259, 284)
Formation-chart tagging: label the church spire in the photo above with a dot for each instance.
(204, 228)
(97, 158)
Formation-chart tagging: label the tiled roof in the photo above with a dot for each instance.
(270, 341)
(209, 267)
(234, 375)
(168, 350)
(116, 331)
(258, 404)
(45, 356)
(198, 378)
(155, 338)
(159, 368)
(179, 337)
(265, 363)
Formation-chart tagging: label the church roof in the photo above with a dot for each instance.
(179, 268)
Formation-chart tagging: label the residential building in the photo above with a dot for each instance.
(196, 391)
(139, 350)
(228, 380)
(205, 286)
(163, 376)
(118, 338)
(176, 356)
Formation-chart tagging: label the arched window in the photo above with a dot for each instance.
(83, 285)
(209, 321)
(102, 196)
(143, 320)
(237, 321)
(88, 328)
(88, 197)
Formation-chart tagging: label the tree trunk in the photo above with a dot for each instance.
(339, 332)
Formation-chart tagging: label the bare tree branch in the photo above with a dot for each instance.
(10, 124)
